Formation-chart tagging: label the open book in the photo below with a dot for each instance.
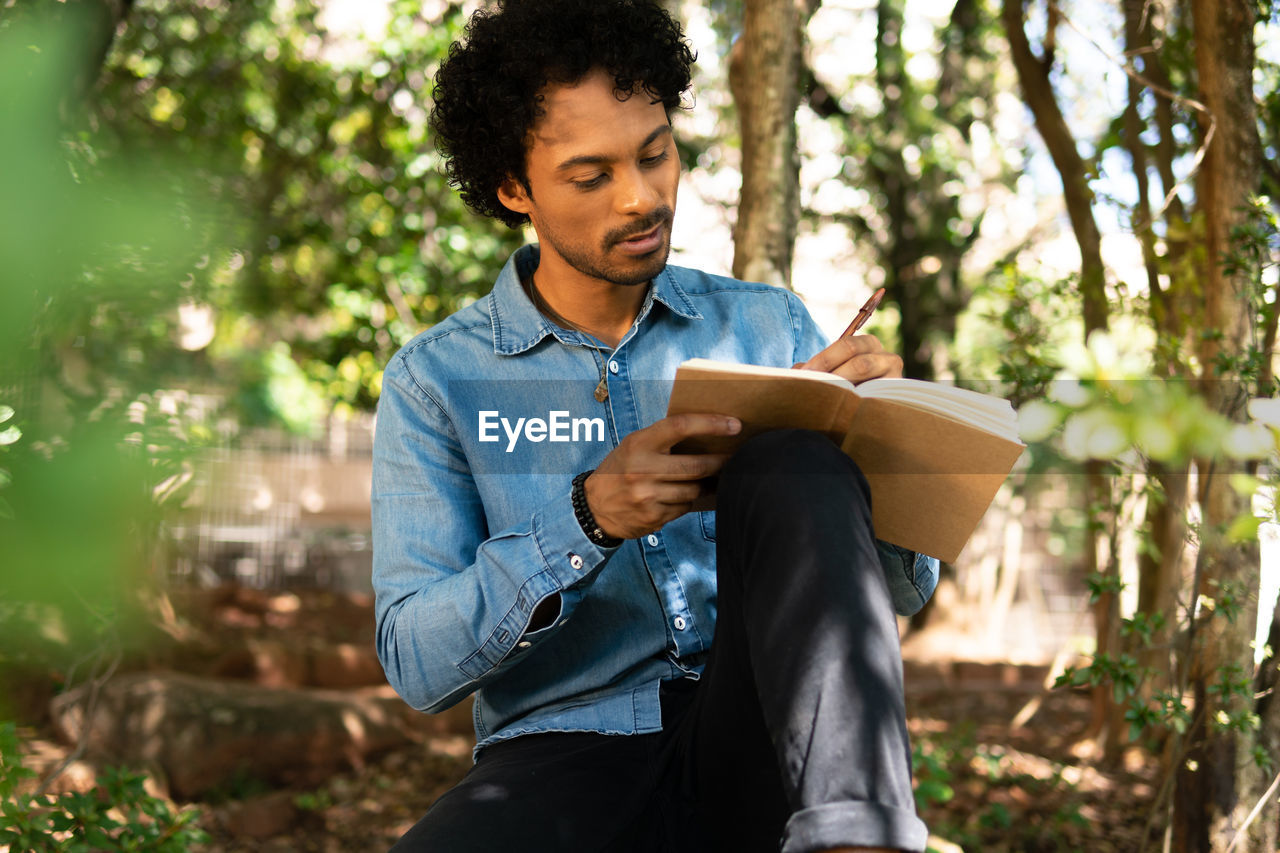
(934, 455)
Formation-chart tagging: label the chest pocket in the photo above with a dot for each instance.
(708, 520)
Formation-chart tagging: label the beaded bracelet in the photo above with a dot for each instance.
(582, 512)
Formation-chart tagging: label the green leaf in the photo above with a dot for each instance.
(1244, 529)
(10, 436)
(1246, 484)
(6, 412)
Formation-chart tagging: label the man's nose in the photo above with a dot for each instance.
(636, 193)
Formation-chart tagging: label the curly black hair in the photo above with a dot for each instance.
(488, 93)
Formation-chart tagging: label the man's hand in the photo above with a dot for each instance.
(641, 484)
(856, 358)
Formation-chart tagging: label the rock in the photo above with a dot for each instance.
(341, 665)
(25, 691)
(268, 662)
(78, 776)
(276, 663)
(205, 734)
(259, 817)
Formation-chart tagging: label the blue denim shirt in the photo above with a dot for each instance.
(473, 526)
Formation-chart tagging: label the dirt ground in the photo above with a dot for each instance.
(982, 783)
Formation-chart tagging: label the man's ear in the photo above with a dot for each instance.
(515, 196)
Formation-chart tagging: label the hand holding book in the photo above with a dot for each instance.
(641, 485)
(934, 455)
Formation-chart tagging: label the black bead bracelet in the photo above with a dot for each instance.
(582, 511)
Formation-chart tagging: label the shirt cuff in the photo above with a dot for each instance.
(567, 553)
(568, 561)
(911, 577)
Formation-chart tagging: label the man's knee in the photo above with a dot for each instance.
(794, 477)
(791, 457)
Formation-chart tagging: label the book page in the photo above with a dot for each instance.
(707, 366)
(987, 413)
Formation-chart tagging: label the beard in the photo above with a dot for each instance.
(624, 270)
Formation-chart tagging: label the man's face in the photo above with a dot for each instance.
(603, 175)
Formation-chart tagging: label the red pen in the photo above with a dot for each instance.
(864, 313)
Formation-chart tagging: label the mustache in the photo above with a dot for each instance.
(659, 216)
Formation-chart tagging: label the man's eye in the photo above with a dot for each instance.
(589, 183)
(655, 159)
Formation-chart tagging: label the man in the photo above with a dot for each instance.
(641, 683)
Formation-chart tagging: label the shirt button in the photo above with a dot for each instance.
(575, 561)
(524, 644)
(679, 623)
(653, 540)
(613, 367)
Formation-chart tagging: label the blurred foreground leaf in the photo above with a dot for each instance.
(95, 254)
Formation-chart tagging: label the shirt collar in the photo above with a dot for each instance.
(518, 326)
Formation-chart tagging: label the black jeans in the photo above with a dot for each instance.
(795, 736)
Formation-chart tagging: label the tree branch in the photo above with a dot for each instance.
(1033, 75)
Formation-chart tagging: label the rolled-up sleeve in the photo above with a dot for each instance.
(454, 601)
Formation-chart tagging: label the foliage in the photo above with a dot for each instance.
(1113, 410)
(905, 166)
(99, 255)
(917, 150)
(1131, 416)
(120, 816)
(1160, 409)
(1036, 323)
(354, 241)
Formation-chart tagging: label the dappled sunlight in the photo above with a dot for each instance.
(990, 786)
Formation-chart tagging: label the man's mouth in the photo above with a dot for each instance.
(644, 242)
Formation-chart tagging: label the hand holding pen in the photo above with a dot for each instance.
(857, 357)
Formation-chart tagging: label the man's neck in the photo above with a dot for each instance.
(603, 310)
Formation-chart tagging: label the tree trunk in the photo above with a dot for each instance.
(1171, 304)
(917, 244)
(764, 73)
(1222, 783)
(1037, 89)
(1106, 723)
(1159, 575)
(1137, 41)
(901, 254)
